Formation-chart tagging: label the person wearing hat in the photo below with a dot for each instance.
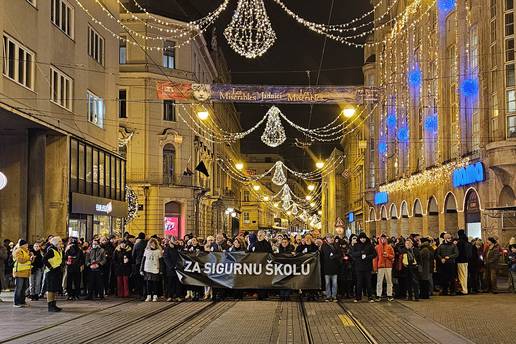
(21, 272)
(464, 257)
(122, 260)
(53, 260)
(491, 264)
(138, 250)
(363, 254)
(446, 254)
(383, 265)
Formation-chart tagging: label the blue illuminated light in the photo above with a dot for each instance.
(431, 123)
(415, 77)
(351, 217)
(469, 87)
(467, 175)
(391, 121)
(403, 134)
(381, 198)
(382, 147)
(446, 5)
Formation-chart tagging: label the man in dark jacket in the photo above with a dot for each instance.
(74, 260)
(446, 254)
(427, 268)
(95, 260)
(170, 258)
(262, 245)
(465, 253)
(363, 254)
(138, 250)
(331, 259)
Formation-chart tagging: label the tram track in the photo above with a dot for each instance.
(358, 324)
(307, 330)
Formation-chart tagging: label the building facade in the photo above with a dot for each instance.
(58, 138)
(165, 144)
(442, 146)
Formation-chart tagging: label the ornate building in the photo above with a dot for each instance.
(442, 146)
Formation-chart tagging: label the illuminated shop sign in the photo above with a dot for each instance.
(381, 198)
(104, 208)
(467, 175)
(351, 217)
(171, 225)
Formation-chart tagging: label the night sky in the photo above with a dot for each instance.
(295, 51)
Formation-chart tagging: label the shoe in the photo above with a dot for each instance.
(155, 298)
(334, 300)
(69, 298)
(169, 299)
(149, 298)
(378, 299)
(371, 300)
(356, 301)
(58, 309)
(390, 299)
(17, 306)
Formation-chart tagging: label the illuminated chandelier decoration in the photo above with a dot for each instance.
(274, 133)
(250, 32)
(279, 177)
(294, 209)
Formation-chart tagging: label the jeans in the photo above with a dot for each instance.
(20, 286)
(36, 278)
(331, 286)
(387, 274)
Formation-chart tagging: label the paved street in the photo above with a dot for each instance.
(470, 319)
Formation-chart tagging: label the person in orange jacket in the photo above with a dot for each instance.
(383, 265)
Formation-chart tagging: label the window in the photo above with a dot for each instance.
(95, 46)
(61, 88)
(169, 54)
(61, 14)
(511, 126)
(122, 103)
(122, 50)
(18, 63)
(169, 110)
(246, 217)
(494, 117)
(169, 157)
(246, 196)
(473, 48)
(95, 109)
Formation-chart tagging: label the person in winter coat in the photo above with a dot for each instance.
(74, 261)
(492, 256)
(53, 260)
(150, 269)
(36, 275)
(476, 267)
(138, 249)
(363, 254)
(331, 259)
(465, 253)
(446, 254)
(95, 260)
(427, 264)
(307, 246)
(286, 247)
(345, 279)
(21, 272)
(383, 265)
(122, 267)
(261, 245)
(411, 263)
(170, 258)
(511, 263)
(3, 262)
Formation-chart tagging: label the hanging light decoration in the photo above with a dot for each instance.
(250, 32)
(294, 209)
(274, 133)
(279, 177)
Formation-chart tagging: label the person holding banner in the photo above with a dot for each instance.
(330, 256)
(363, 254)
(261, 245)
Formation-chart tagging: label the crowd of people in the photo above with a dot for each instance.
(410, 268)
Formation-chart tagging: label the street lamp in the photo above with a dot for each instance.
(311, 187)
(3, 181)
(349, 112)
(319, 164)
(239, 166)
(256, 187)
(203, 115)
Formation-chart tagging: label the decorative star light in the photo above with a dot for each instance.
(274, 133)
(250, 32)
(469, 87)
(382, 146)
(446, 6)
(431, 123)
(391, 121)
(403, 134)
(414, 78)
(279, 177)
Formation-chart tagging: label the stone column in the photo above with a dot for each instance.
(36, 184)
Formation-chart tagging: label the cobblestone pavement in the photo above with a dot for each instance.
(458, 320)
(482, 318)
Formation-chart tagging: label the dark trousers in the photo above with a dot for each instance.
(152, 287)
(73, 282)
(122, 286)
(173, 286)
(447, 275)
(412, 281)
(20, 286)
(95, 284)
(424, 291)
(491, 275)
(363, 284)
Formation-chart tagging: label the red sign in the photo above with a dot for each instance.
(171, 225)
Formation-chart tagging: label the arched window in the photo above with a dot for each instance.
(169, 157)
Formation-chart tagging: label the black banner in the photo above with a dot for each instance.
(240, 270)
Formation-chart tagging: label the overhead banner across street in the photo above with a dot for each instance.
(266, 94)
(240, 270)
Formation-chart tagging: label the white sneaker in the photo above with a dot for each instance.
(155, 298)
(148, 298)
(169, 299)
